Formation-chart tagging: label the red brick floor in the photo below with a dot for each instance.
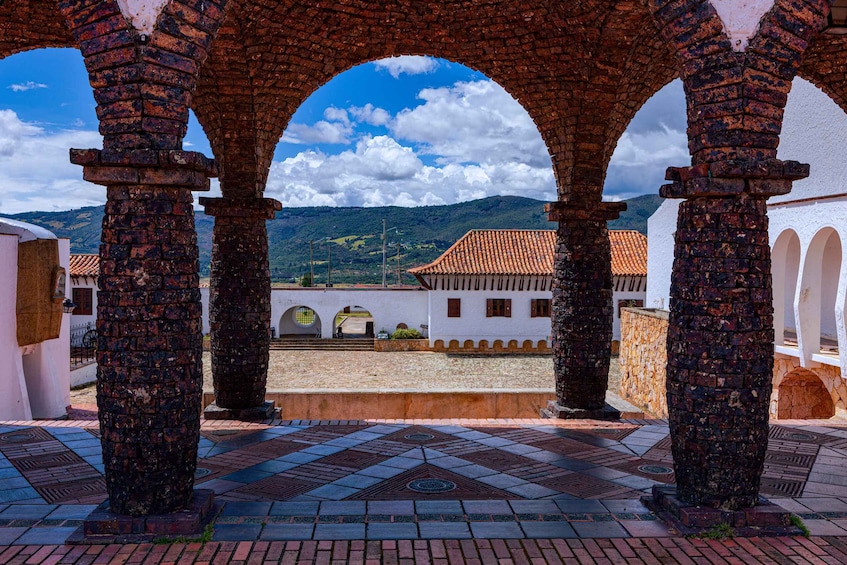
(436, 552)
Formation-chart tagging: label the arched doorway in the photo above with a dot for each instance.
(803, 395)
(299, 321)
(818, 293)
(353, 322)
(785, 259)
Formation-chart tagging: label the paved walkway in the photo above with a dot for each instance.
(310, 491)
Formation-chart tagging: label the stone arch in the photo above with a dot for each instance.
(802, 395)
(32, 24)
(785, 259)
(554, 63)
(299, 321)
(817, 297)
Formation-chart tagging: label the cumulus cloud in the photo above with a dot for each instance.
(469, 122)
(655, 140)
(335, 129)
(35, 172)
(383, 172)
(371, 115)
(24, 86)
(407, 64)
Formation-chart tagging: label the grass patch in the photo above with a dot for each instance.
(720, 532)
(204, 538)
(797, 522)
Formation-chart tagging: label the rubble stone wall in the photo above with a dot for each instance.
(644, 358)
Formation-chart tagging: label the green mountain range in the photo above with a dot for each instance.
(352, 237)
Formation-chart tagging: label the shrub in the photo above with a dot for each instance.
(406, 334)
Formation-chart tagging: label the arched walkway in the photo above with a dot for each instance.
(802, 395)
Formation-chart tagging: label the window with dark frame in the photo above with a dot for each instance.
(540, 308)
(83, 298)
(498, 308)
(454, 307)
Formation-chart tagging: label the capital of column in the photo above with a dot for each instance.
(578, 211)
(763, 178)
(158, 167)
(262, 208)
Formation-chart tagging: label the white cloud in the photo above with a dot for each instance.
(335, 129)
(639, 162)
(24, 86)
(35, 171)
(371, 115)
(472, 122)
(382, 172)
(407, 64)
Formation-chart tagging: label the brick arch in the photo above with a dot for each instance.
(143, 84)
(802, 395)
(568, 65)
(736, 99)
(32, 24)
(823, 65)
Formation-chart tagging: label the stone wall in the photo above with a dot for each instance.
(392, 345)
(643, 359)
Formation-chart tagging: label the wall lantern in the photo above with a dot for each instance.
(68, 306)
(836, 21)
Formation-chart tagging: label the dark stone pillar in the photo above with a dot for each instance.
(720, 334)
(240, 300)
(581, 316)
(149, 345)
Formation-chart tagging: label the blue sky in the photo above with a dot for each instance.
(405, 131)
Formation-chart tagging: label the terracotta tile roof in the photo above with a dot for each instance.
(87, 265)
(528, 252)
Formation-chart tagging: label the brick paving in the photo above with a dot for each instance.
(454, 491)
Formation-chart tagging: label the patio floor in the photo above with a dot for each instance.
(498, 488)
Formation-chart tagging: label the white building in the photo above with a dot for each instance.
(494, 286)
(34, 335)
(807, 231)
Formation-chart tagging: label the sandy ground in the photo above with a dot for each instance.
(412, 370)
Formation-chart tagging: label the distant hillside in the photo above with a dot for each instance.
(354, 234)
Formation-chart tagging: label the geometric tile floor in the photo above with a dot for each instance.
(414, 480)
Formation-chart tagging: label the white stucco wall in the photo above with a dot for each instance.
(142, 14)
(474, 325)
(34, 380)
(814, 131)
(814, 222)
(14, 401)
(660, 231)
(388, 307)
(741, 19)
(48, 369)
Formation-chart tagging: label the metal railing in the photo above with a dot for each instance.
(83, 344)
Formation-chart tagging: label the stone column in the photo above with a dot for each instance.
(149, 345)
(720, 334)
(240, 305)
(581, 316)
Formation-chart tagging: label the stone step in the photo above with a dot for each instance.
(322, 344)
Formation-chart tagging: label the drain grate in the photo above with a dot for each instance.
(419, 437)
(18, 437)
(202, 472)
(431, 485)
(655, 469)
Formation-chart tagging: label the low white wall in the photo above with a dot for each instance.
(14, 400)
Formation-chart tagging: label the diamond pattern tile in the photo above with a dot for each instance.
(397, 488)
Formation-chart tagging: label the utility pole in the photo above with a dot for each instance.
(311, 265)
(384, 243)
(329, 265)
(398, 263)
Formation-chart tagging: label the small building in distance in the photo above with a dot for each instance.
(84, 270)
(492, 289)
